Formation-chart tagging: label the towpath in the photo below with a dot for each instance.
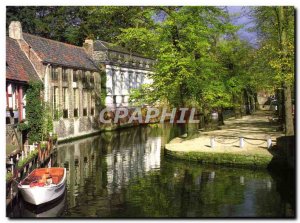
(255, 129)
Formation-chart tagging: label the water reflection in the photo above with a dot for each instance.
(124, 174)
(52, 210)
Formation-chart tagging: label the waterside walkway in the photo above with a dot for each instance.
(226, 148)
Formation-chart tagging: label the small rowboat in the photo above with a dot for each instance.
(43, 185)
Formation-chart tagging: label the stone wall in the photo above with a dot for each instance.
(75, 127)
(13, 139)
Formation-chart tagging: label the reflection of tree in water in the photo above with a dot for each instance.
(285, 186)
(181, 190)
(112, 175)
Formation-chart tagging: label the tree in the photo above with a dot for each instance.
(72, 24)
(276, 29)
(181, 42)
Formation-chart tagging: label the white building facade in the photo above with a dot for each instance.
(123, 71)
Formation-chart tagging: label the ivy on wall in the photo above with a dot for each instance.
(34, 111)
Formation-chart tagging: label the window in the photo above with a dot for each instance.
(122, 82)
(76, 102)
(85, 112)
(92, 111)
(75, 112)
(84, 77)
(54, 73)
(92, 81)
(113, 78)
(85, 102)
(135, 80)
(130, 80)
(142, 78)
(9, 96)
(75, 76)
(65, 102)
(92, 105)
(64, 74)
(55, 102)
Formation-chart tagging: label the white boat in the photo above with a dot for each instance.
(43, 185)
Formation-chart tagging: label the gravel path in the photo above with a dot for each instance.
(255, 129)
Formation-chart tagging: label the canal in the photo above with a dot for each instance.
(125, 174)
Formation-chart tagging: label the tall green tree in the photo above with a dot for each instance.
(276, 29)
(73, 24)
(181, 41)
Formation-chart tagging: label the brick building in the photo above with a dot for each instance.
(72, 78)
(19, 71)
(71, 81)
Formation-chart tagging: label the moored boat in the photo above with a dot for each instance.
(43, 185)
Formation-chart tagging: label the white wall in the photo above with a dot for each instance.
(119, 88)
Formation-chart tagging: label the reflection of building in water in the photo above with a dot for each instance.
(132, 161)
(99, 167)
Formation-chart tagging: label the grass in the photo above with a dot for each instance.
(250, 160)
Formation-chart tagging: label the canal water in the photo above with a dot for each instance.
(125, 174)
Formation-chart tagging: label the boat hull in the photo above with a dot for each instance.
(40, 195)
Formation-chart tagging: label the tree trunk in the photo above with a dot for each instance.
(289, 124)
(237, 106)
(220, 116)
(288, 117)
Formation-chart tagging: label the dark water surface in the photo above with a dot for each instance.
(124, 174)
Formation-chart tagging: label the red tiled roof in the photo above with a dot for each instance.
(59, 53)
(18, 67)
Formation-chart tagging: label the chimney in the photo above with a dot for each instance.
(15, 30)
(89, 46)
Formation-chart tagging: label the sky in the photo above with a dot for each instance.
(239, 16)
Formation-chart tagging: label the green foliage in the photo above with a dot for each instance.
(44, 145)
(9, 176)
(275, 55)
(189, 70)
(73, 24)
(57, 114)
(103, 92)
(23, 126)
(143, 95)
(34, 111)
(48, 121)
(30, 156)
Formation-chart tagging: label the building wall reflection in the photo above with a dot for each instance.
(106, 164)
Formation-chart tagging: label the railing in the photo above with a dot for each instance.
(242, 140)
(24, 162)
